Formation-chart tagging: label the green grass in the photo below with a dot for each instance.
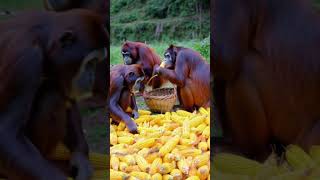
(159, 47)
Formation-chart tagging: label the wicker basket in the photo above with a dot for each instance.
(161, 100)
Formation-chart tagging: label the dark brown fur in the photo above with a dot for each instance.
(266, 68)
(37, 107)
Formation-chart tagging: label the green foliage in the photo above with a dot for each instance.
(203, 47)
(154, 20)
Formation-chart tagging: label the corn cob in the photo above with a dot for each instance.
(113, 139)
(121, 126)
(142, 163)
(196, 121)
(143, 112)
(297, 158)
(168, 147)
(140, 175)
(155, 165)
(186, 129)
(203, 146)
(123, 166)
(117, 175)
(129, 159)
(190, 152)
(203, 111)
(176, 174)
(315, 153)
(233, 164)
(183, 166)
(201, 160)
(125, 140)
(156, 176)
(114, 162)
(146, 143)
(151, 157)
(193, 178)
(206, 132)
(166, 168)
(183, 113)
(203, 172)
(167, 177)
(132, 168)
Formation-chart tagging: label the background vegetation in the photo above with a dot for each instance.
(155, 20)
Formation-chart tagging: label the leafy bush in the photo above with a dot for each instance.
(203, 47)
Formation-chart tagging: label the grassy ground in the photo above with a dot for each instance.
(159, 47)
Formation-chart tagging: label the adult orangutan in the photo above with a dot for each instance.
(125, 80)
(190, 72)
(99, 97)
(47, 64)
(140, 53)
(266, 68)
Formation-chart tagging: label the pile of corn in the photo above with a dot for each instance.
(169, 146)
(296, 165)
(98, 161)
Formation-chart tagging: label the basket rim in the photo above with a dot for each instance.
(169, 96)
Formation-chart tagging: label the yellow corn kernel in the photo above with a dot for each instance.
(144, 112)
(203, 172)
(190, 152)
(186, 129)
(140, 175)
(156, 176)
(193, 178)
(203, 111)
(142, 119)
(123, 166)
(155, 165)
(183, 166)
(176, 174)
(133, 178)
(129, 159)
(183, 113)
(118, 175)
(206, 132)
(125, 140)
(166, 168)
(146, 143)
(201, 160)
(114, 162)
(142, 163)
(167, 116)
(167, 177)
(196, 121)
(121, 126)
(168, 147)
(113, 139)
(132, 168)
(203, 146)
